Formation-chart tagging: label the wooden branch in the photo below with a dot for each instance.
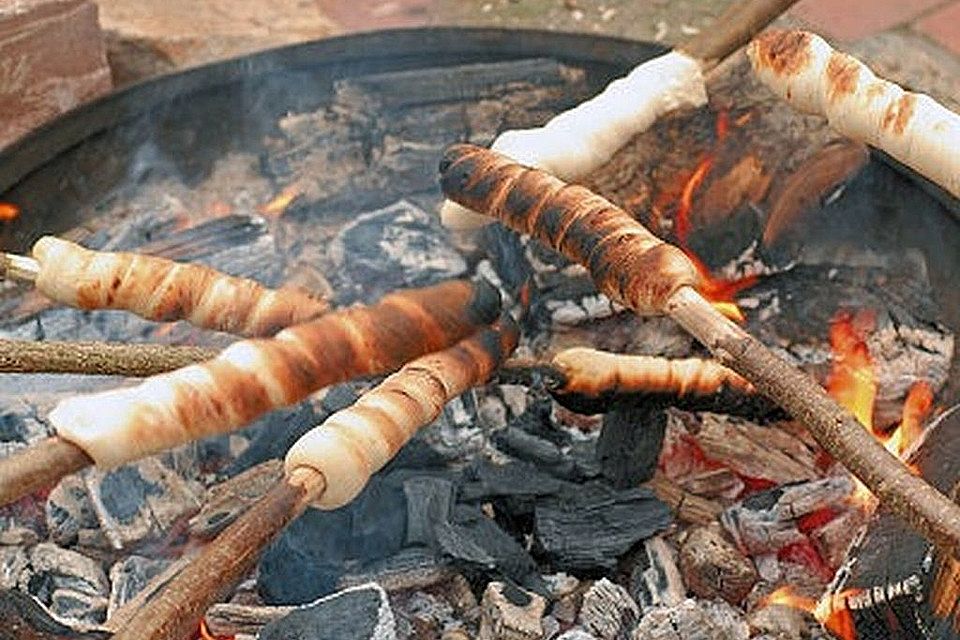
(39, 466)
(734, 28)
(638, 270)
(97, 358)
(176, 611)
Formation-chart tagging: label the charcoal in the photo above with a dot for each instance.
(13, 562)
(225, 502)
(429, 501)
(780, 622)
(70, 514)
(130, 576)
(629, 444)
(381, 139)
(478, 545)
(73, 586)
(693, 620)
(141, 502)
(399, 89)
(409, 568)
(509, 613)
(766, 522)
(359, 613)
(588, 528)
(398, 247)
(309, 557)
(229, 619)
(713, 567)
(654, 577)
(428, 614)
(893, 582)
(514, 485)
(608, 611)
(505, 250)
(22, 618)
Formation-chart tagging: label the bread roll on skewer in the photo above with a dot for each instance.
(593, 373)
(585, 137)
(628, 263)
(252, 377)
(808, 73)
(160, 289)
(353, 444)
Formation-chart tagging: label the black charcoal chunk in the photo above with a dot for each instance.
(589, 528)
(478, 545)
(630, 444)
(359, 613)
(130, 576)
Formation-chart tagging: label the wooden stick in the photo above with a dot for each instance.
(176, 611)
(97, 358)
(733, 29)
(39, 466)
(634, 267)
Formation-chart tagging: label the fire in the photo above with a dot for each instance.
(852, 383)
(284, 199)
(916, 409)
(852, 380)
(831, 612)
(721, 292)
(9, 211)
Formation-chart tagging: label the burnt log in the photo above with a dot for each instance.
(894, 584)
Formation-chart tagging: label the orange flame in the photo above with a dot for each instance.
(721, 292)
(831, 612)
(9, 211)
(284, 199)
(852, 381)
(916, 409)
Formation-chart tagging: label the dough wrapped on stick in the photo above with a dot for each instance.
(593, 373)
(584, 138)
(159, 289)
(252, 377)
(632, 266)
(814, 78)
(326, 467)
(356, 442)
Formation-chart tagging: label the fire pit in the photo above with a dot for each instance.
(518, 512)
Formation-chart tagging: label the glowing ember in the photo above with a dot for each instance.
(219, 209)
(832, 613)
(9, 211)
(284, 199)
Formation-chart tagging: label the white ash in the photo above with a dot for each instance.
(608, 611)
(693, 620)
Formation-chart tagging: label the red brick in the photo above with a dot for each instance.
(943, 26)
(855, 19)
(51, 59)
